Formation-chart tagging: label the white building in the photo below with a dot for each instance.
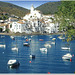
(35, 21)
(33, 14)
(17, 27)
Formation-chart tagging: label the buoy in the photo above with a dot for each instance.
(73, 55)
(70, 59)
(26, 39)
(29, 61)
(48, 72)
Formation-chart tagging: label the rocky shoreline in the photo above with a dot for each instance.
(21, 34)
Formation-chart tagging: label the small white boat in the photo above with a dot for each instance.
(65, 48)
(40, 39)
(13, 63)
(26, 44)
(60, 37)
(54, 39)
(43, 49)
(50, 36)
(31, 36)
(47, 45)
(25, 37)
(52, 42)
(3, 46)
(67, 56)
(12, 37)
(32, 56)
(15, 48)
(29, 39)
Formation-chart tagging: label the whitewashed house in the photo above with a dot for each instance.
(17, 27)
(33, 14)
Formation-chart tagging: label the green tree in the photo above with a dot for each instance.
(66, 18)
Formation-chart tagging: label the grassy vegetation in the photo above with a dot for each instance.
(49, 8)
(13, 9)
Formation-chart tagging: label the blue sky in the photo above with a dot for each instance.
(27, 4)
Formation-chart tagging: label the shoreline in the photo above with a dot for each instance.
(21, 34)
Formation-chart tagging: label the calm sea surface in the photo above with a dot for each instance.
(44, 62)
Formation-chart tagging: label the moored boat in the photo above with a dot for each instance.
(13, 63)
(3, 46)
(40, 39)
(43, 49)
(26, 44)
(47, 45)
(67, 56)
(65, 48)
(12, 37)
(54, 39)
(32, 56)
(15, 48)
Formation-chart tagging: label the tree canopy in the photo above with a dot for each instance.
(66, 18)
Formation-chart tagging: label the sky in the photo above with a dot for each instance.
(27, 4)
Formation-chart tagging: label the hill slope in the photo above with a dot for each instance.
(49, 8)
(13, 9)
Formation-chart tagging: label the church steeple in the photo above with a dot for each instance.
(32, 8)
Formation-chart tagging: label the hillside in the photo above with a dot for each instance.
(49, 8)
(13, 9)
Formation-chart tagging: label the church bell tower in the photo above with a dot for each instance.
(32, 8)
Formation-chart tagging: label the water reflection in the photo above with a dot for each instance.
(66, 62)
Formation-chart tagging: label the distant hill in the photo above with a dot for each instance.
(49, 8)
(13, 9)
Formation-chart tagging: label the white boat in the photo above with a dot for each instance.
(47, 45)
(29, 39)
(43, 49)
(12, 37)
(61, 37)
(40, 39)
(50, 36)
(26, 44)
(25, 37)
(15, 48)
(65, 48)
(32, 56)
(67, 56)
(54, 39)
(52, 42)
(31, 36)
(3, 46)
(13, 63)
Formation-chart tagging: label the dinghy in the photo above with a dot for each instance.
(54, 39)
(26, 44)
(3, 46)
(65, 48)
(13, 63)
(67, 56)
(47, 45)
(12, 37)
(32, 56)
(15, 48)
(43, 49)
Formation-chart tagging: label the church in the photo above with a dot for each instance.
(33, 14)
